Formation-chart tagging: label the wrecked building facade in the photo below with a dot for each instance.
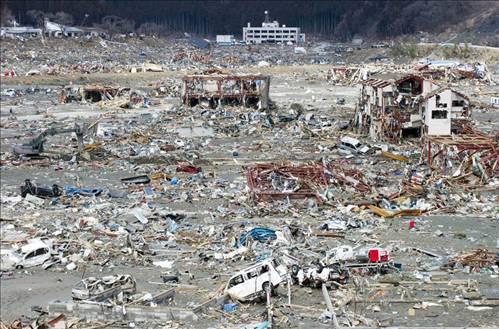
(90, 93)
(391, 107)
(218, 89)
(444, 111)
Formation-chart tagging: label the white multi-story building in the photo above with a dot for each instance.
(272, 32)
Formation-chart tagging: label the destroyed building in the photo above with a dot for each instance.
(51, 30)
(20, 31)
(444, 110)
(90, 93)
(272, 32)
(58, 30)
(219, 89)
(392, 106)
(269, 181)
(471, 151)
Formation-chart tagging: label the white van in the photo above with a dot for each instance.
(253, 281)
(34, 253)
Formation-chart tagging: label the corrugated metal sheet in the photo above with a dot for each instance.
(200, 43)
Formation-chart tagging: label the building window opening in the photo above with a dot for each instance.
(439, 114)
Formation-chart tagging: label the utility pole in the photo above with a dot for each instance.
(84, 20)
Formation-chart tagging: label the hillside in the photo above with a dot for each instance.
(339, 20)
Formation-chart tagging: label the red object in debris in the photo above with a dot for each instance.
(412, 224)
(10, 73)
(378, 255)
(418, 179)
(188, 169)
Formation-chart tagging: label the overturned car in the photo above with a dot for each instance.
(255, 280)
(39, 191)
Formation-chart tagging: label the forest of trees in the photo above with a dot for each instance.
(338, 19)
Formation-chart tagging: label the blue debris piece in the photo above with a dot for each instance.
(72, 191)
(261, 234)
(262, 325)
(231, 307)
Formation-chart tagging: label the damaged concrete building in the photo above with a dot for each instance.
(220, 89)
(393, 106)
(444, 111)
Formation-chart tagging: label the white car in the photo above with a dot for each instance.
(350, 145)
(255, 280)
(34, 253)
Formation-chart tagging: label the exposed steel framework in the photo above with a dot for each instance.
(306, 180)
(245, 90)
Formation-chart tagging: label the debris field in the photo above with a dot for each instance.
(247, 187)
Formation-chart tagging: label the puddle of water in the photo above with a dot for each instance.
(194, 131)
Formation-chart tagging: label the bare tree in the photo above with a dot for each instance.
(6, 17)
(151, 29)
(37, 17)
(63, 18)
(117, 25)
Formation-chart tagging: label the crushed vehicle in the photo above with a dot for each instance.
(34, 147)
(93, 288)
(255, 280)
(317, 274)
(338, 254)
(340, 101)
(347, 256)
(8, 92)
(349, 145)
(39, 191)
(170, 278)
(35, 252)
(339, 263)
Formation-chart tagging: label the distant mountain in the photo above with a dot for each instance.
(334, 19)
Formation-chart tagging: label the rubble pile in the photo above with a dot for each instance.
(96, 55)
